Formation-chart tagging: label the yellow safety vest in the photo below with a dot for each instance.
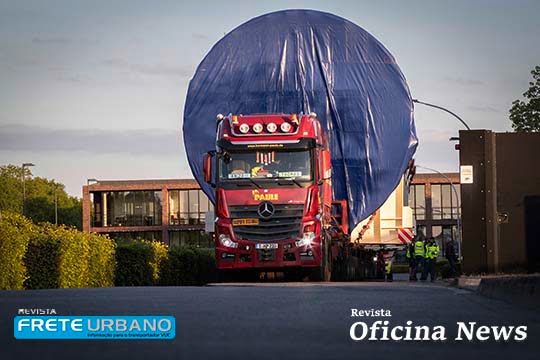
(388, 267)
(419, 249)
(432, 251)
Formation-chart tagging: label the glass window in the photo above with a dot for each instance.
(456, 203)
(446, 192)
(184, 207)
(417, 201)
(444, 202)
(436, 206)
(443, 235)
(421, 229)
(136, 235)
(193, 206)
(196, 238)
(267, 164)
(133, 208)
(96, 209)
(174, 207)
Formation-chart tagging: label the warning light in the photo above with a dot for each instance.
(271, 127)
(285, 127)
(244, 128)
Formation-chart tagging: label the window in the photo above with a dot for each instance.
(188, 207)
(267, 164)
(417, 201)
(135, 235)
(442, 235)
(443, 201)
(132, 208)
(196, 238)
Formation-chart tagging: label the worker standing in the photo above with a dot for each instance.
(451, 257)
(432, 252)
(419, 253)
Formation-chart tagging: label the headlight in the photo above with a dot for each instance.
(306, 239)
(226, 241)
(244, 128)
(271, 127)
(285, 127)
(257, 127)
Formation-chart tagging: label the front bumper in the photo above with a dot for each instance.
(287, 255)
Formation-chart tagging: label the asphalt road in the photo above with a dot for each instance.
(273, 321)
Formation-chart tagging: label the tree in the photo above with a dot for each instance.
(525, 115)
(40, 197)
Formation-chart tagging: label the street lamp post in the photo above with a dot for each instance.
(458, 222)
(443, 109)
(24, 166)
(55, 203)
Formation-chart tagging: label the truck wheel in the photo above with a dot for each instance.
(324, 272)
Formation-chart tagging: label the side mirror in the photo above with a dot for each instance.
(207, 167)
(326, 165)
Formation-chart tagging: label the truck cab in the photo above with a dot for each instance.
(272, 177)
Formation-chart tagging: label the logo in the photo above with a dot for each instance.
(257, 196)
(95, 327)
(266, 210)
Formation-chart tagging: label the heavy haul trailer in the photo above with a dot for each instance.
(274, 205)
(320, 177)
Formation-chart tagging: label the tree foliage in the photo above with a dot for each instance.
(525, 115)
(40, 197)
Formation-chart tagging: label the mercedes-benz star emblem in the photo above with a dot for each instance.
(266, 210)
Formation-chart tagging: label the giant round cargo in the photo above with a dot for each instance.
(297, 61)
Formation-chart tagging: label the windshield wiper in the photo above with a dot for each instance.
(292, 180)
(251, 180)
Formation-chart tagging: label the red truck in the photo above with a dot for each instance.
(274, 209)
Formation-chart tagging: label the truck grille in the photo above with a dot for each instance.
(284, 224)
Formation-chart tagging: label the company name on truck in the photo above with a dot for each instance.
(257, 196)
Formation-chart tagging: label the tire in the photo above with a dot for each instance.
(324, 272)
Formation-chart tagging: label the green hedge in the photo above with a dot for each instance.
(101, 261)
(62, 257)
(146, 263)
(188, 266)
(15, 233)
(138, 262)
(46, 256)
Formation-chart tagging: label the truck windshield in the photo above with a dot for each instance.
(266, 165)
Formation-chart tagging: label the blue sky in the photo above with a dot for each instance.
(96, 89)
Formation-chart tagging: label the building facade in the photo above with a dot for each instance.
(435, 200)
(173, 211)
(170, 211)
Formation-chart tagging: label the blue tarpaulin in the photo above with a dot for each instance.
(306, 61)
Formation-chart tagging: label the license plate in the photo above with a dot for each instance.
(244, 222)
(266, 246)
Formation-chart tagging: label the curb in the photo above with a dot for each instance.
(523, 290)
